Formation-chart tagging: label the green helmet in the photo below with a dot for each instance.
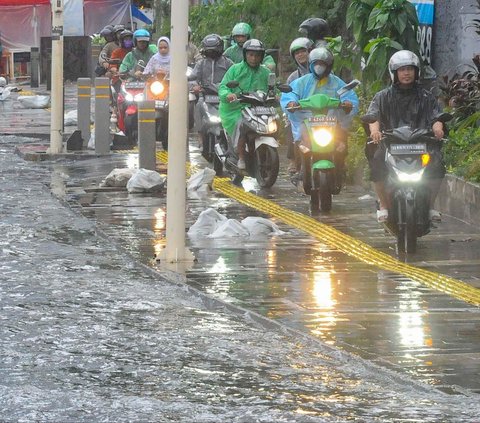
(242, 28)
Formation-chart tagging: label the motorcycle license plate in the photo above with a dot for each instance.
(262, 110)
(135, 85)
(322, 121)
(160, 104)
(404, 149)
(212, 99)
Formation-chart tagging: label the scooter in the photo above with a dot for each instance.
(131, 93)
(408, 155)
(261, 119)
(322, 172)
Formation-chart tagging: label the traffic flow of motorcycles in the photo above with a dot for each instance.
(322, 147)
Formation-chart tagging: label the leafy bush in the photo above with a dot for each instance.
(462, 153)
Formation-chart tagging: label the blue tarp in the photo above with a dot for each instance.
(138, 14)
(425, 11)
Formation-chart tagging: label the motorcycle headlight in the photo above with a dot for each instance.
(138, 97)
(157, 88)
(272, 126)
(322, 136)
(128, 97)
(410, 177)
(214, 119)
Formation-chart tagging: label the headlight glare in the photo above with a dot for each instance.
(157, 88)
(322, 136)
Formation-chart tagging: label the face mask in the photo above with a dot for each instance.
(127, 44)
(319, 70)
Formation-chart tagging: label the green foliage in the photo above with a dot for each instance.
(462, 153)
(275, 22)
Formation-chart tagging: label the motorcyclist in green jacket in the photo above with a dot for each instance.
(143, 51)
(251, 76)
(242, 32)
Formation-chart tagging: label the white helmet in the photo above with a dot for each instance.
(403, 58)
(3, 81)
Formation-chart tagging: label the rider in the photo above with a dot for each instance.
(209, 71)
(143, 51)
(320, 81)
(108, 34)
(193, 55)
(316, 29)
(404, 103)
(251, 75)
(242, 32)
(299, 50)
(160, 61)
(126, 45)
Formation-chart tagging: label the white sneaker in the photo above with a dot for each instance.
(241, 164)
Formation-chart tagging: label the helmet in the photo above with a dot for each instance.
(3, 81)
(323, 55)
(118, 28)
(141, 35)
(403, 58)
(314, 28)
(212, 45)
(242, 28)
(253, 45)
(107, 31)
(124, 34)
(299, 43)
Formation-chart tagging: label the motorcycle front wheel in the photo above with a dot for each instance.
(325, 191)
(131, 129)
(407, 230)
(266, 165)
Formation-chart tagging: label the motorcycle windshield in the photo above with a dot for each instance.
(319, 101)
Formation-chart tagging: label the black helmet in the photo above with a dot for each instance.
(212, 45)
(253, 45)
(314, 28)
(107, 31)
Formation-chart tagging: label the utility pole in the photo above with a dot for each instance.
(56, 120)
(175, 250)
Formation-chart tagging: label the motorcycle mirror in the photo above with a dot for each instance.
(445, 117)
(233, 84)
(350, 86)
(141, 64)
(285, 88)
(271, 79)
(368, 119)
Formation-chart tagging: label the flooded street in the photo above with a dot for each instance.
(89, 334)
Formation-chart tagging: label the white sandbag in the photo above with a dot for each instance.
(261, 226)
(202, 177)
(207, 222)
(229, 229)
(144, 180)
(34, 101)
(118, 178)
(5, 93)
(70, 118)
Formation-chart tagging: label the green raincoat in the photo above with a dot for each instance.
(250, 79)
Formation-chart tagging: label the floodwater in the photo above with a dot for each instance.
(89, 334)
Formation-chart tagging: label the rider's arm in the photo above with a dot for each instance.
(223, 90)
(127, 63)
(375, 133)
(437, 129)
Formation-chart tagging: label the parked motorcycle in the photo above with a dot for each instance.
(409, 153)
(322, 170)
(261, 119)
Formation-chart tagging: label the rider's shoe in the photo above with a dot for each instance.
(241, 164)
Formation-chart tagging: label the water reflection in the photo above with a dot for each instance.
(412, 322)
(324, 297)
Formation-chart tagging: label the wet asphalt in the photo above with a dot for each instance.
(417, 337)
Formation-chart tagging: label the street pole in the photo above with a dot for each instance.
(175, 250)
(56, 119)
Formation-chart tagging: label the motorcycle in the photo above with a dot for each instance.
(157, 88)
(322, 172)
(131, 93)
(261, 119)
(409, 153)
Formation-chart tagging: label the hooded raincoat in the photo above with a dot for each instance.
(250, 79)
(308, 85)
(235, 54)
